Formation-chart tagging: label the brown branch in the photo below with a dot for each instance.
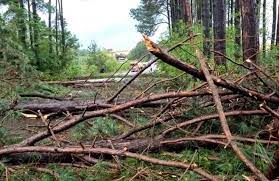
(269, 110)
(223, 119)
(112, 75)
(158, 83)
(123, 120)
(229, 59)
(263, 72)
(213, 138)
(75, 150)
(150, 125)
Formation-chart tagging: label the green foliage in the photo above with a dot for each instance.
(185, 52)
(16, 19)
(7, 138)
(98, 172)
(98, 127)
(148, 15)
(138, 52)
(100, 61)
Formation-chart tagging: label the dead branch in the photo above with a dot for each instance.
(215, 139)
(263, 72)
(157, 83)
(123, 120)
(209, 117)
(223, 119)
(269, 110)
(86, 150)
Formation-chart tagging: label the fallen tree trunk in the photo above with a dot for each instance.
(74, 120)
(53, 106)
(87, 81)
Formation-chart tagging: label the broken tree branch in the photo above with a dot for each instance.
(88, 150)
(192, 70)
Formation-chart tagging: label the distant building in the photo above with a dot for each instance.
(120, 55)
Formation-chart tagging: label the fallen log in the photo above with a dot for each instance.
(74, 120)
(87, 81)
(54, 106)
(133, 145)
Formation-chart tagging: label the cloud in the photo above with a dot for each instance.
(107, 22)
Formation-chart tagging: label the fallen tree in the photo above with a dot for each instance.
(169, 114)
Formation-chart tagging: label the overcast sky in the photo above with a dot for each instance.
(105, 21)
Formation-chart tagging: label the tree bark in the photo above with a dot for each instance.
(30, 24)
(249, 30)
(264, 27)
(62, 24)
(228, 12)
(187, 16)
(232, 15)
(50, 27)
(56, 28)
(199, 10)
(277, 35)
(219, 31)
(36, 33)
(273, 33)
(237, 38)
(21, 23)
(206, 19)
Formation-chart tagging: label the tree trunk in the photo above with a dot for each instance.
(249, 30)
(62, 24)
(30, 25)
(264, 27)
(232, 15)
(21, 23)
(237, 38)
(258, 15)
(199, 10)
(192, 10)
(36, 32)
(277, 36)
(228, 12)
(273, 33)
(206, 19)
(219, 31)
(50, 28)
(169, 16)
(187, 16)
(56, 28)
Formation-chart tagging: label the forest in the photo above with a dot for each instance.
(199, 102)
